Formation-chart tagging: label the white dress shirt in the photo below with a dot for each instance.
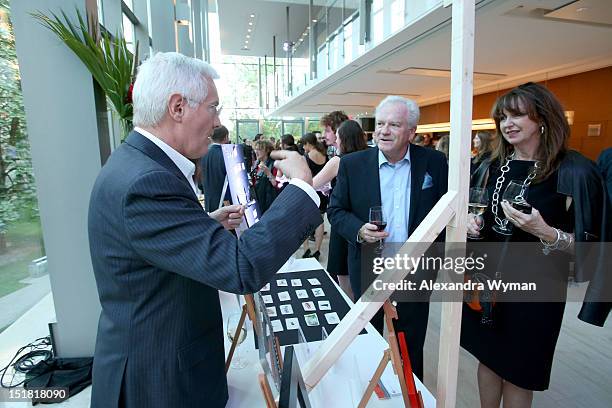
(187, 167)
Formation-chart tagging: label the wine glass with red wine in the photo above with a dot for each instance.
(377, 218)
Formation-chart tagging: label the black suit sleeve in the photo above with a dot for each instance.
(339, 211)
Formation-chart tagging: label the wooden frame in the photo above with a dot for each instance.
(450, 212)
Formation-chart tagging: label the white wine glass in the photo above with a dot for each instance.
(238, 360)
(477, 205)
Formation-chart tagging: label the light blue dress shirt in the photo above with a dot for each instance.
(395, 195)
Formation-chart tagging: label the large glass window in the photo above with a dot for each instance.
(21, 286)
(294, 128)
(377, 26)
(272, 128)
(397, 15)
(246, 129)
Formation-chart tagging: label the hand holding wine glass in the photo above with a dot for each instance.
(516, 195)
(477, 205)
(377, 219)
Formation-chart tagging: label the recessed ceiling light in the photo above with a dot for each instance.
(249, 30)
(248, 36)
(314, 20)
(308, 28)
(246, 41)
(581, 9)
(252, 15)
(250, 23)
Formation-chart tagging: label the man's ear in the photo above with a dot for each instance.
(176, 107)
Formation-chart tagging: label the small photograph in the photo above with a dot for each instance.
(267, 299)
(301, 294)
(286, 309)
(281, 282)
(271, 311)
(283, 296)
(332, 318)
(266, 288)
(292, 323)
(308, 306)
(324, 305)
(318, 292)
(311, 319)
(296, 282)
(314, 281)
(277, 326)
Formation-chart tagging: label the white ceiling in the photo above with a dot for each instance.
(515, 41)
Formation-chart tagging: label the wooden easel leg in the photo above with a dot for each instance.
(396, 360)
(266, 391)
(375, 378)
(228, 361)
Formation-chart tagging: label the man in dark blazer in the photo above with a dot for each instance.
(407, 181)
(159, 258)
(213, 170)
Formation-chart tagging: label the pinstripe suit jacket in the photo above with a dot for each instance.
(159, 260)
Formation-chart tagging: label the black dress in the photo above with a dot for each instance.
(315, 169)
(521, 344)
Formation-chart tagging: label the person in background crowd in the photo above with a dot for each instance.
(418, 140)
(247, 153)
(257, 137)
(159, 259)
(316, 158)
(565, 200)
(350, 138)
(443, 144)
(213, 171)
(484, 143)
(264, 176)
(288, 143)
(407, 181)
(330, 123)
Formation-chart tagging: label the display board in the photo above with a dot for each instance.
(238, 183)
(305, 299)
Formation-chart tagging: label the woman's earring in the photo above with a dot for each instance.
(542, 129)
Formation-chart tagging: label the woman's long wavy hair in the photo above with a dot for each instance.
(542, 107)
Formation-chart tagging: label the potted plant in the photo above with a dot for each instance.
(107, 58)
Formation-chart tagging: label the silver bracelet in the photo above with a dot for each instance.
(548, 247)
(564, 241)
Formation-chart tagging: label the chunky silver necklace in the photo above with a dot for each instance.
(503, 222)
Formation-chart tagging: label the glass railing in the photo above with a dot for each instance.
(337, 38)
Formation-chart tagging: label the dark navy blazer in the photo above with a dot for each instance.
(159, 260)
(213, 172)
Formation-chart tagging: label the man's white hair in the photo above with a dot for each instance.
(411, 107)
(162, 75)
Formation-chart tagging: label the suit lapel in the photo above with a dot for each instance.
(372, 178)
(418, 167)
(149, 148)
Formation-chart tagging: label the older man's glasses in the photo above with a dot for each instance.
(214, 109)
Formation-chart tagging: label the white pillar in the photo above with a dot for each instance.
(162, 26)
(61, 122)
(462, 73)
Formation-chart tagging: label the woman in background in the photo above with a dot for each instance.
(316, 157)
(264, 176)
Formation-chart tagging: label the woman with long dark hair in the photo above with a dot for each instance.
(350, 137)
(558, 201)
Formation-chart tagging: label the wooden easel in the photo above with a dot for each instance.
(412, 397)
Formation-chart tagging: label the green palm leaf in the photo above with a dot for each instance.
(108, 59)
